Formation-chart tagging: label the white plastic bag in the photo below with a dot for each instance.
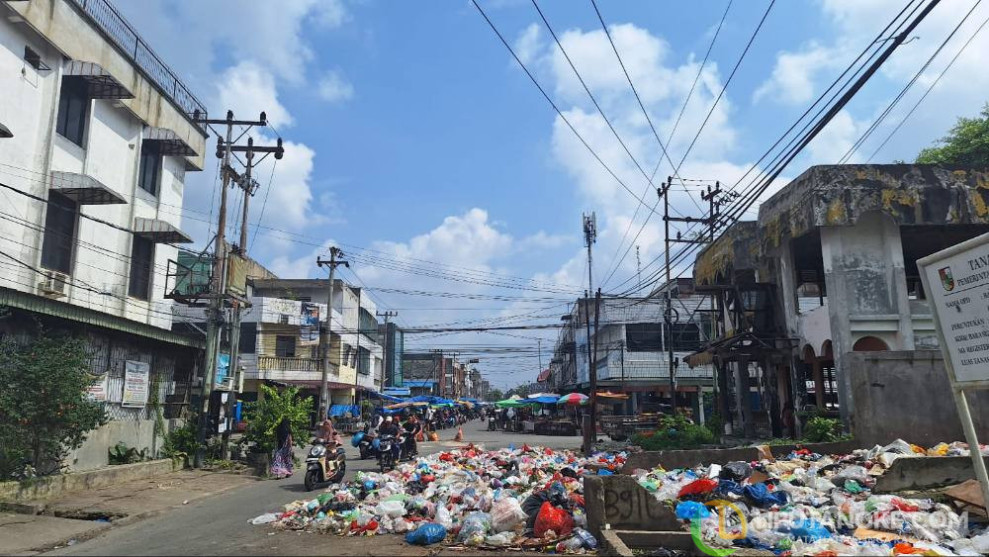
(506, 514)
(264, 519)
(443, 517)
(392, 509)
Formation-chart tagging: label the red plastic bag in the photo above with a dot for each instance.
(905, 506)
(698, 487)
(552, 518)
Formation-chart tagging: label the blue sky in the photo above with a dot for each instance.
(412, 132)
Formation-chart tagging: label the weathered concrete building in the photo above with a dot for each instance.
(828, 271)
(91, 188)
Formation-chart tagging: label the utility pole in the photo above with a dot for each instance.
(671, 315)
(638, 268)
(357, 357)
(326, 339)
(389, 360)
(593, 401)
(218, 283)
(539, 343)
(250, 186)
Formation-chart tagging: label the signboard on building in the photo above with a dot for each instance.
(309, 324)
(956, 281)
(222, 369)
(136, 379)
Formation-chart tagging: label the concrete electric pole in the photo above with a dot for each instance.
(326, 340)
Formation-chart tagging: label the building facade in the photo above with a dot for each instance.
(91, 187)
(828, 274)
(280, 338)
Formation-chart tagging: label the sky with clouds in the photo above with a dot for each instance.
(415, 142)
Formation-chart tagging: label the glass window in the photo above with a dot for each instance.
(686, 337)
(73, 110)
(150, 172)
(142, 259)
(644, 337)
(285, 346)
(248, 337)
(60, 231)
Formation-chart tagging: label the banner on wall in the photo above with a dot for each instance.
(136, 378)
(309, 324)
(97, 391)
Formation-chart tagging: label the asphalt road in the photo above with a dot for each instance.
(219, 525)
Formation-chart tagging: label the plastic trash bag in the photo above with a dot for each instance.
(426, 534)
(506, 514)
(264, 519)
(443, 517)
(760, 495)
(808, 530)
(500, 539)
(698, 487)
(736, 471)
(356, 439)
(552, 518)
(587, 540)
(475, 523)
(691, 510)
(391, 509)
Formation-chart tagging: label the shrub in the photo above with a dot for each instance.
(264, 416)
(122, 454)
(822, 430)
(44, 410)
(180, 443)
(674, 433)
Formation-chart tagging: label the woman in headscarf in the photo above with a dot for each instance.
(281, 462)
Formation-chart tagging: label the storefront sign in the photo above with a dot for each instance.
(136, 377)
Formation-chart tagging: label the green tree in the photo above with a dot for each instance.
(495, 395)
(966, 144)
(264, 416)
(44, 408)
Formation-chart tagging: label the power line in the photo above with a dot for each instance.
(929, 89)
(872, 128)
(555, 107)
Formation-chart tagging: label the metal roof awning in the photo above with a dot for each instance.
(84, 189)
(169, 142)
(159, 231)
(99, 83)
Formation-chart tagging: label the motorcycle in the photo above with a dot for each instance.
(492, 423)
(325, 463)
(386, 452)
(365, 444)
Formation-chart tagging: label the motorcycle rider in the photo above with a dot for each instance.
(412, 428)
(389, 427)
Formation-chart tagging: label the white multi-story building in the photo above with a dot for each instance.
(96, 137)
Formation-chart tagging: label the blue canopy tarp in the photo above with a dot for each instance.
(544, 399)
(338, 410)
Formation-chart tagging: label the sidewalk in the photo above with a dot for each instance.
(83, 515)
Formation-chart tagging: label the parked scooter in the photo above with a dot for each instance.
(325, 463)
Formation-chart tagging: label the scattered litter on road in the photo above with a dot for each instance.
(813, 504)
(528, 498)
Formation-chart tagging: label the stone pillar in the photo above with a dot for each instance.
(818, 383)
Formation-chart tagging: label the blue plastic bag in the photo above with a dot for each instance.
(690, 510)
(760, 495)
(809, 531)
(605, 472)
(426, 534)
(356, 439)
(726, 487)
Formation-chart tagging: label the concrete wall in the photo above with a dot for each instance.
(135, 433)
(890, 389)
(53, 486)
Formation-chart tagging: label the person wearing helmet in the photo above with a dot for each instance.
(388, 427)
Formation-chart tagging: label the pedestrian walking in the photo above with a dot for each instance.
(281, 460)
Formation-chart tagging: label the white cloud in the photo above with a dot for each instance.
(529, 43)
(793, 76)
(247, 89)
(836, 139)
(333, 87)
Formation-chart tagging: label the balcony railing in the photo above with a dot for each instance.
(116, 28)
(275, 363)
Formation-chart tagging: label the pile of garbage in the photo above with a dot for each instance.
(527, 497)
(813, 504)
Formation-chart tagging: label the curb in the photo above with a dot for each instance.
(128, 520)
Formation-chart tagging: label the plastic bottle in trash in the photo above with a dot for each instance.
(587, 540)
(572, 544)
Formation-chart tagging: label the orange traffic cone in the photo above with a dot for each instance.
(459, 437)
